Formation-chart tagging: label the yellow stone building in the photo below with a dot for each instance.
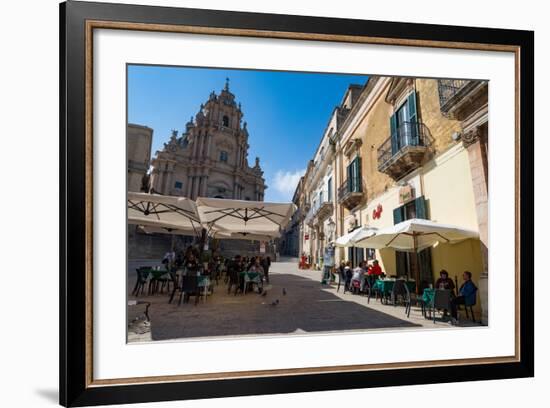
(406, 150)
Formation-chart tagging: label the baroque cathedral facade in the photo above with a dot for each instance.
(210, 158)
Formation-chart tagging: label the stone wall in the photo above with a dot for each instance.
(440, 128)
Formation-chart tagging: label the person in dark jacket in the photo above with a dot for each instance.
(466, 295)
(266, 263)
(444, 282)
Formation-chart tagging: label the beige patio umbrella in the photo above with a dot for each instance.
(349, 239)
(244, 217)
(415, 235)
(149, 229)
(169, 212)
(250, 236)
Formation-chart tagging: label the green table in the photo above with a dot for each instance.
(157, 274)
(250, 277)
(385, 286)
(428, 296)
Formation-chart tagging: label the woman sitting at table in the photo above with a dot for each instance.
(375, 269)
(256, 267)
(444, 282)
(466, 295)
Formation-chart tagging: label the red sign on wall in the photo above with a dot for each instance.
(377, 212)
(306, 237)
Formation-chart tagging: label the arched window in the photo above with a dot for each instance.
(225, 121)
(223, 156)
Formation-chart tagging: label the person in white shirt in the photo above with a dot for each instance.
(359, 277)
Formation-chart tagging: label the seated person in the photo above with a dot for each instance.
(256, 267)
(234, 267)
(444, 282)
(375, 269)
(191, 265)
(348, 273)
(466, 295)
(358, 277)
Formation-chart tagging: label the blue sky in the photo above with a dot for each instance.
(287, 112)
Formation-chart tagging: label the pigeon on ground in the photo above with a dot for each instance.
(284, 292)
(275, 302)
(264, 293)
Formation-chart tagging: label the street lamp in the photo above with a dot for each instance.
(331, 226)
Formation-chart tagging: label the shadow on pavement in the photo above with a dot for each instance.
(307, 307)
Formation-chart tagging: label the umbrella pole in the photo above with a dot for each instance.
(417, 266)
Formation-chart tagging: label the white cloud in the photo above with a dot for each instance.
(285, 182)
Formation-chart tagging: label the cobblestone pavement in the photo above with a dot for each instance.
(307, 307)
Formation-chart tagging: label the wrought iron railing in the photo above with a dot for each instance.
(448, 88)
(407, 134)
(349, 186)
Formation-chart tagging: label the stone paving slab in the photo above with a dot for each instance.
(308, 307)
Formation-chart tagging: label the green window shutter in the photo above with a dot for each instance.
(350, 175)
(357, 175)
(420, 206)
(398, 215)
(413, 118)
(329, 189)
(393, 134)
(411, 102)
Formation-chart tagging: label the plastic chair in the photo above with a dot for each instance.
(400, 290)
(142, 275)
(189, 287)
(442, 301)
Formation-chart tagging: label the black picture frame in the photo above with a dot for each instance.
(75, 389)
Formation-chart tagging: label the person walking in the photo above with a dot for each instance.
(266, 263)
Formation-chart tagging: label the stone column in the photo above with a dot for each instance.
(479, 171)
(202, 146)
(169, 177)
(204, 191)
(195, 187)
(208, 146)
(188, 188)
(155, 179)
(196, 144)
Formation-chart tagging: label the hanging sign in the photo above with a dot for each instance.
(405, 194)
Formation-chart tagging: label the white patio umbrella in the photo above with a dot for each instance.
(239, 216)
(349, 239)
(148, 229)
(163, 211)
(250, 236)
(415, 235)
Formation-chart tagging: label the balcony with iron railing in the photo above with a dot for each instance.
(404, 150)
(456, 96)
(309, 217)
(324, 209)
(350, 192)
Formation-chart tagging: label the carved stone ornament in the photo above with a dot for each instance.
(471, 137)
(225, 145)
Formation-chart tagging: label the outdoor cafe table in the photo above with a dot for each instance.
(248, 277)
(385, 286)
